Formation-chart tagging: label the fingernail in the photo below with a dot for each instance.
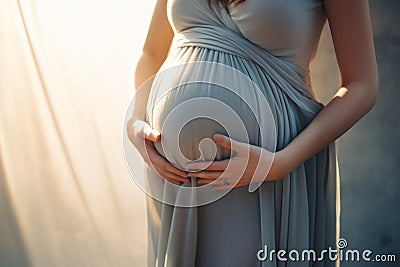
(218, 136)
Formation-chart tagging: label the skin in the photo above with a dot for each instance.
(353, 41)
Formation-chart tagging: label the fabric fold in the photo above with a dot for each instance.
(294, 80)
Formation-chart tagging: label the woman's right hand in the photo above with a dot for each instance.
(143, 138)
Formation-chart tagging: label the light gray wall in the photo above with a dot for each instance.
(369, 154)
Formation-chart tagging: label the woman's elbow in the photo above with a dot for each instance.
(370, 88)
(371, 92)
(373, 88)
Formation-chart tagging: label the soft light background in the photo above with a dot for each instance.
(66, 76)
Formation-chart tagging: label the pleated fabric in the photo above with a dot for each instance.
(298, 212)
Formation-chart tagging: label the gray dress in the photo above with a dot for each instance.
(271, 42)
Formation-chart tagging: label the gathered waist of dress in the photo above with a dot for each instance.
(292, 78)
(230, 41)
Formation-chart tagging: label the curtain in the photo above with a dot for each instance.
(66, 78)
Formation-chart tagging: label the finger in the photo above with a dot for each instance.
(221, 187)
(218, 165)
(172, 181)
(208, 181)
(206, 174)
(225, 187)
(151, 134)
(157, 160)
(146, 131)
(171, 168)
(162, 177)
(171, 177)
(228, 143)
(149, 142)
(175, 177)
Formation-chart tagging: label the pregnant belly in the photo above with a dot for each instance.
(188, 117)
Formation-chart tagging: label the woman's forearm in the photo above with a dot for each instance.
(146, 67)
(348, 106)
(155, 51)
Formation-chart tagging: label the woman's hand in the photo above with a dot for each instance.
(143, 137)
(252, 163)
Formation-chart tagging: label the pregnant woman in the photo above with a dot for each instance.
(232, 109)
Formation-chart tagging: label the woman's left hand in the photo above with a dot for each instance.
(252, 163)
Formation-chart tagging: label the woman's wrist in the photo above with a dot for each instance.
(283, 164)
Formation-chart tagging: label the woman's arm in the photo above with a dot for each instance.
(154, 53)
(142, 136)
(353, 41)
(352, 35)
